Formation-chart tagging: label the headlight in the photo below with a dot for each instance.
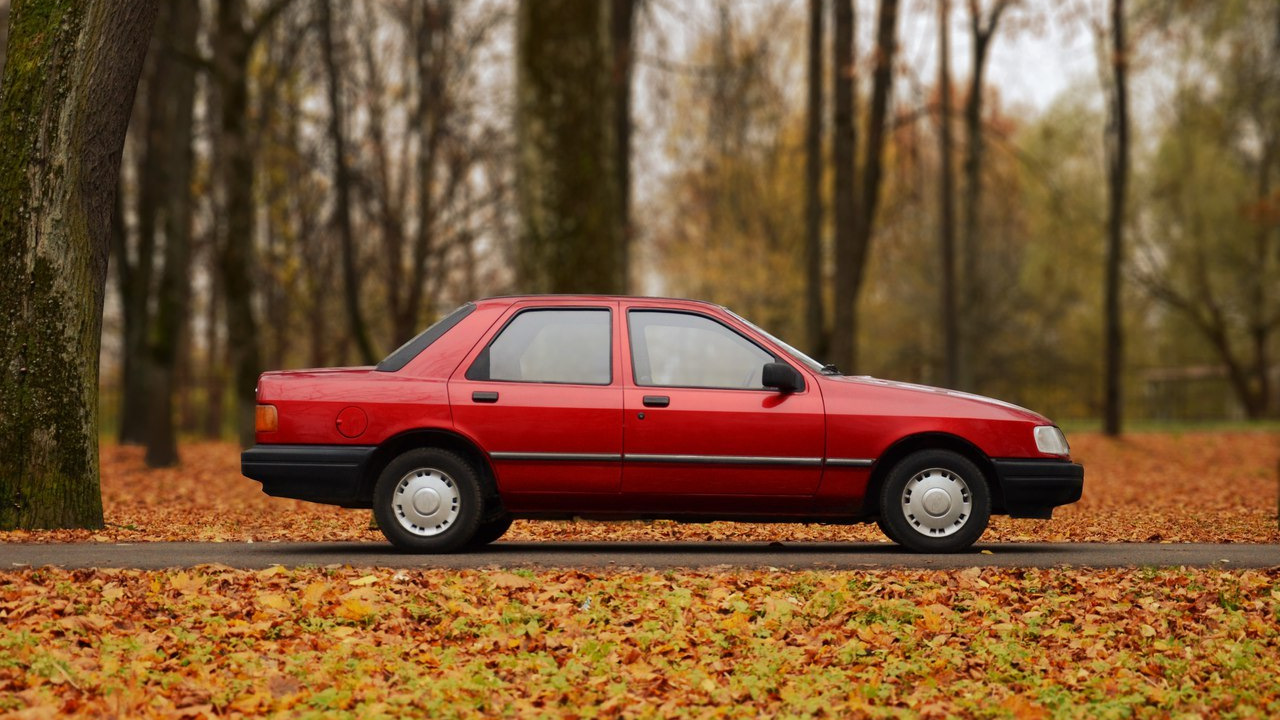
(1051, 441)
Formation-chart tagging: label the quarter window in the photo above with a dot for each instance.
(550, 346)
(684, 350)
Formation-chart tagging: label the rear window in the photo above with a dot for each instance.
(423, 340)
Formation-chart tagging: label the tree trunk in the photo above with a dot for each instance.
(65, 102)
(815, 322)
(623, 32)
(1117, 143)
(845, 342)
(569, 197)
(844, 155)
(970, 286)
(172, 296)
(342, 191)
(949, 308)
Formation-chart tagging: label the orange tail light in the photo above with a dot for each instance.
(265, 419)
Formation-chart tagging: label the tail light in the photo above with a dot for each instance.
(265, 419)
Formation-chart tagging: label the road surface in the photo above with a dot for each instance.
(704, 555)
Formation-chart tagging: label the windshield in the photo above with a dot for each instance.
(800, 357)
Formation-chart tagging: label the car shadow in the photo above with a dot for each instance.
(533, 550)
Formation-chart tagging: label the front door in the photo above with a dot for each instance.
(699, 422)
(543, 399)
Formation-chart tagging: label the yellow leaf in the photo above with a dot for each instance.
(184, 583)
(355, 609)
(274, 601)
(510, 580)
(271, 571)
(366, 580)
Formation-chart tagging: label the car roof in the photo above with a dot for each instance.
(569, 299)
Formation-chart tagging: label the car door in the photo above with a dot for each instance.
(698, 422)
(542, 396)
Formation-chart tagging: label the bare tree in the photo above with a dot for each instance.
(844, 155)
(1117, 144)
(851, 274)
(949, 304)
(342, 190)
(814, 315)
(65, 101)
(982, 27)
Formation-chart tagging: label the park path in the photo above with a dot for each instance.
(597, 555)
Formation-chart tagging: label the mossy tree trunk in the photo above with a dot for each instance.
(65, 102)
(570, 201)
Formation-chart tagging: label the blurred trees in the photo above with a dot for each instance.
(1210, 234)
(65, 99)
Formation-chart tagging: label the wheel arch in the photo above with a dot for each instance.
(449, 440)
(930, 441)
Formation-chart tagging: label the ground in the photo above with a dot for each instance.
(336, 641)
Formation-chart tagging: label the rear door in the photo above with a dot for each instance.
(542, 396)
(699, 422)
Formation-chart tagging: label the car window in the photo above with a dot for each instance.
(686, 350)
(552, 346)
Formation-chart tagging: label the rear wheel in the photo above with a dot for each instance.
(428, 500)
(490, 531)
(935, 501)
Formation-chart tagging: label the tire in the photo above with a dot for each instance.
(491, 531)
(958, 502)
(448, 506)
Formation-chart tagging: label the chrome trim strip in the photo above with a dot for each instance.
(684, 459)
(585, 457)
(850, 462)
(723, 459)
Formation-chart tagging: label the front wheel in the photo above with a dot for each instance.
(935, 501)
(428, 500)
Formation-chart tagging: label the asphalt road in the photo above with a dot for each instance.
(706, 555)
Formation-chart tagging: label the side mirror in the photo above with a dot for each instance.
(782, 377)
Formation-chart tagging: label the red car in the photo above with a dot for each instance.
(620, 407)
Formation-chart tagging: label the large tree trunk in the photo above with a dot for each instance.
(623, 32)
(182, 22)
(815, 323)
(568, 192)
(342, 192)
(949, 307)
(66, 97)
(844, 155)
(1117, 183)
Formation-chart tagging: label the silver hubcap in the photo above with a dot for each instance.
(937, 502)
(426, 502)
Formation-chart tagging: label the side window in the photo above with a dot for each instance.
(551, 346)
(683, 350)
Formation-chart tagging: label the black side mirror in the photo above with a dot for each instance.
(782, 377)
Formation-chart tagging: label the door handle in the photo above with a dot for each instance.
(484, 396)
(656, 401)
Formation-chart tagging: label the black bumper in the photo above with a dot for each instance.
(1033, 488)
(330, 474)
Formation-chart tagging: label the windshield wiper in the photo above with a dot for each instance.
(830, 369)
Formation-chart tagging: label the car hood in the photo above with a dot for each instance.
(934, 395)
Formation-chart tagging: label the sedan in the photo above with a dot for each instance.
(558, 407)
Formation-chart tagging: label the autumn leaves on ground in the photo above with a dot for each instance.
(334, 642)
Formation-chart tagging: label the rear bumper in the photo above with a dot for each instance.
(329, 474)
(1033, 488)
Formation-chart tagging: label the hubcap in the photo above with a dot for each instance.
(937, 502)
(426, 502)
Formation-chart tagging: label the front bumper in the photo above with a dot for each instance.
(329, 474)
(1033, 488)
